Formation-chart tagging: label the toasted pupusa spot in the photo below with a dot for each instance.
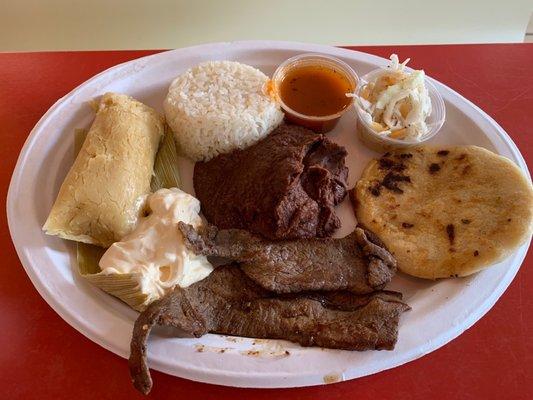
(445, 211)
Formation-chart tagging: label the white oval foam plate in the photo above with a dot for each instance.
(440, 310)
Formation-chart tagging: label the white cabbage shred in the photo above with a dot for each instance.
(397, 102)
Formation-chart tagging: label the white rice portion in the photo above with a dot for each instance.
(220, 106)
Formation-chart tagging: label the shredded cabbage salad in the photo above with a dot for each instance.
(396, 104)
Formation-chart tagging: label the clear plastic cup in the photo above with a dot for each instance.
(382, 143)
(323, 123)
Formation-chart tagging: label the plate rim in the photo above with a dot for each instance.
(237, 379)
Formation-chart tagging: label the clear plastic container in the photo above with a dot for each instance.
(382, 143)
(320, 124)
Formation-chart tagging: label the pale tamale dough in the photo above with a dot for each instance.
(101, 197)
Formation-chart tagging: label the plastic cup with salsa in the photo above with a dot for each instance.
(311, 89)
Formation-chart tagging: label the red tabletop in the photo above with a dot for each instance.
(43, 357)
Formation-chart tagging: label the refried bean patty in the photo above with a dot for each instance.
(283, 187)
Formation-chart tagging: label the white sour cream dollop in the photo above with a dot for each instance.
(155, 251)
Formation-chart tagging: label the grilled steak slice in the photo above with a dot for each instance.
(356, 262)
(283, 187)
(228, 302)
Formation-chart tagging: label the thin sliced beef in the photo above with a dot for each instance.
(354, 262)
(283, 187)
(228, 302)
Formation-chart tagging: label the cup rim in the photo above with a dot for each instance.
(346, 69)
